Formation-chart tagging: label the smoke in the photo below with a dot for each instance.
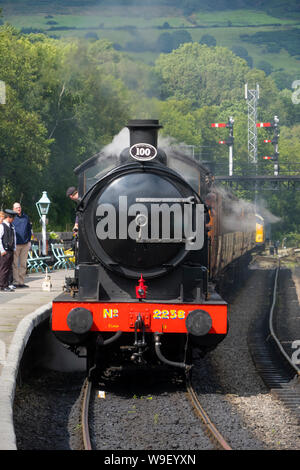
(266, 214)
(119, 143)
(168, 144)
(171, 146)
(239, 214)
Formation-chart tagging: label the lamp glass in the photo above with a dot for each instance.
(43, 204)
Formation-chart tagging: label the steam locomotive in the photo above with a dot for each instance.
(151, 243)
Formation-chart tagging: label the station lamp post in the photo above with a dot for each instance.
(43, 207)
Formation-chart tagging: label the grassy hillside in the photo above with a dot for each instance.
(137, 29)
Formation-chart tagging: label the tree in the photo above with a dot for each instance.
(240, 51)
(181, 37)
(209, 40)
(164, 42)
(265, 66)
(24, 144)
(91, 35)
(205, 75)
(61, 108)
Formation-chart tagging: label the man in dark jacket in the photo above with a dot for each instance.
(22, 227)
(72, 193)
(7, 248)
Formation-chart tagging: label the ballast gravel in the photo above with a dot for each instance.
(145, 415)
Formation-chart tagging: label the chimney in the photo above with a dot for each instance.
(143, 131)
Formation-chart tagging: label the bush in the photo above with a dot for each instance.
(265, 66)
(91, 35)
(209, 40)
(292, 239)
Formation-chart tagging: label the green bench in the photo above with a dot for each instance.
(62, 260)
(35, 262)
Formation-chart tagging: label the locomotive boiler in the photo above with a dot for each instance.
(149, 247)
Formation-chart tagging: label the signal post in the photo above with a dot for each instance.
(274, 141)
(228, 141)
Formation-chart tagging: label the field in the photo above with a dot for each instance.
(144, 25)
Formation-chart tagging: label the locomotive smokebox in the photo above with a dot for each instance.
(143, 131)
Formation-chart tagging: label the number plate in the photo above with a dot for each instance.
(143, 152)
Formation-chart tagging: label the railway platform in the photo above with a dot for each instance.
(20, 312)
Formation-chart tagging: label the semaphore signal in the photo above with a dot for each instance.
(228, 141)
(274, 125)
(264, 124)
(219, 124)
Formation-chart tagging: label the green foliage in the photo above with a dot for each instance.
(282, 79)
(265, 66)
(287, 39)
(292, 239)
(207, 76)
(61, 108)
(208, 39)
(242, 52)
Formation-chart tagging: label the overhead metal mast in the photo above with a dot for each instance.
(252, 97)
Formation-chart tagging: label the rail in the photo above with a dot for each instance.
(87, 387)
(211, 428)
(271, 328)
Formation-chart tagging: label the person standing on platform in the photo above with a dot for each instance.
(22, 227)
(10, 280)
(7, 249)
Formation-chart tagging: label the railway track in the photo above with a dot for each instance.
(215, 435)
(210, 429)
(271, 360)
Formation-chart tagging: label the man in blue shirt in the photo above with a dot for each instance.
(23, 235)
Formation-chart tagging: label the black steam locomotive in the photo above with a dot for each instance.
(141, 290)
